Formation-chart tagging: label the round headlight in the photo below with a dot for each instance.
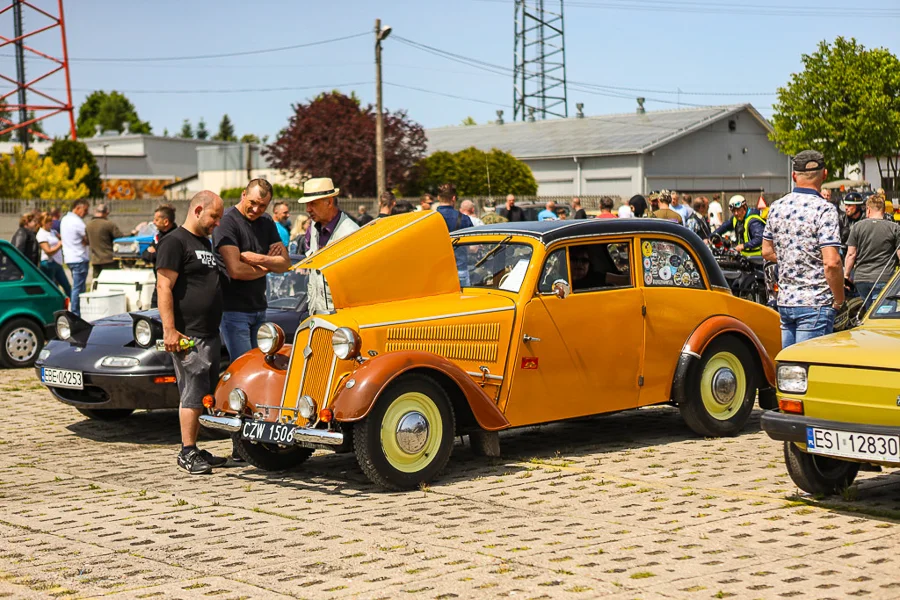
(270, 338)
(237, 400)
(63, 328)
(346, 343)
(143, 333)
(307, 407)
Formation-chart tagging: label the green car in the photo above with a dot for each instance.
(28, 300)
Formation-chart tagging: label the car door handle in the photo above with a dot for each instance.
(527, 338)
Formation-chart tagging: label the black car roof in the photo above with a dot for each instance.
(550, 231)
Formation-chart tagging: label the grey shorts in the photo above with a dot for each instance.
(197, 370)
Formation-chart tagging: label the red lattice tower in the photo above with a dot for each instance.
(49, 105)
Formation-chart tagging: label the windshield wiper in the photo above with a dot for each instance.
(492, 251)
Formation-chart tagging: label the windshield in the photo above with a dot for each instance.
(888, 305)
(496, 265)
(148, 229)
(286, 290)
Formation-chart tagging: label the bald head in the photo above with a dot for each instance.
(467, 207)
(204, 213)
(203, 199)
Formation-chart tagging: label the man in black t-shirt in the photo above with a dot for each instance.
(190, 308)
(510, 211)
(248, 247)
(164, 219)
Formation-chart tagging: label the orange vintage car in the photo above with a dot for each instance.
(557, 320)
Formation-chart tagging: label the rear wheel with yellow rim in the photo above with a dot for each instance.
(721, 389)
(407, 437)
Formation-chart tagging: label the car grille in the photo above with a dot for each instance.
(313, 369)
(90, 393)
(316, 381)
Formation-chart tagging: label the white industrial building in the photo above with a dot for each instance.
(707, 149)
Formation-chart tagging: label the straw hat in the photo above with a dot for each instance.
(320, 187)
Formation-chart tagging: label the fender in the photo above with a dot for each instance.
(262, 379)
(706, 332)
(371, 379)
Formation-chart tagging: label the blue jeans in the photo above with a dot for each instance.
(801, 323)
(57, 275)
(869, 291)
(239, 331)
(79, 280)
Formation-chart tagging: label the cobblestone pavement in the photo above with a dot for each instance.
(626, 506)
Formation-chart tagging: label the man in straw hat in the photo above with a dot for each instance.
(329, 225)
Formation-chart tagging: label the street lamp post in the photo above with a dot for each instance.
(380, 35)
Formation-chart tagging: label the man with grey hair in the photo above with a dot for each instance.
(100, 234)
(803, 236)
(467, 207)
(329, 224)
(190, 308)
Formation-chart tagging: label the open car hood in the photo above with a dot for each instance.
(395, 258)
(866, 347)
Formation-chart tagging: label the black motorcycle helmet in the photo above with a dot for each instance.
(853, 199)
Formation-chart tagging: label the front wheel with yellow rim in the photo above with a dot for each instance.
(407, 437)
(721, 389)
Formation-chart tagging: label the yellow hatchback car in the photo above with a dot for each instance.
(433, 336)
(839, 400)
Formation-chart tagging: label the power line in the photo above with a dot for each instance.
(234, 90)
(418, 89)
(687, 7)
(209, 56)
(606, 90)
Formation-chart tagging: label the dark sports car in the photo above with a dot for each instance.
(100, 369)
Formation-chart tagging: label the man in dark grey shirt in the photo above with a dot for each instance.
(873, 249)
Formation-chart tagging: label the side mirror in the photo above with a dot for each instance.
(561, 289)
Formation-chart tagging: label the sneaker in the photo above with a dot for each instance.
(194, 463)
(213, 461)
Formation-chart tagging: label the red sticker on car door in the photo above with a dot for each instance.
(530, 362)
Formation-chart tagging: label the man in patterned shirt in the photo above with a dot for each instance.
(802, 235)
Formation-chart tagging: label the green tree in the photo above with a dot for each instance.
(468, 122)
(226, 130)
(202, 132)
(186, 130)
(76, 155)
(475, 173)
(28, 175)
(250, 138)
(110, 111)
(845, 103)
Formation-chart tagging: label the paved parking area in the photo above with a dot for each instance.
(626, 506)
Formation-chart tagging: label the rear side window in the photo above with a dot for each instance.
(9, 271)
(668, 264)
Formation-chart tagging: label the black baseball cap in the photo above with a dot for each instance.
(808, 161)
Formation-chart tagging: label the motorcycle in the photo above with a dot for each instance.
(750, 277)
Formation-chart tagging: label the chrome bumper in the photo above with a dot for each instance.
(229, 424)
(301, 434)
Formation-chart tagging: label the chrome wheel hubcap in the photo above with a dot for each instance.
(412, 432)
(21, 344)
(724, 386)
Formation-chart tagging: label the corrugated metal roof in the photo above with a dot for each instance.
(629, 133)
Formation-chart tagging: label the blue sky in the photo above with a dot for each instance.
(742, 51)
